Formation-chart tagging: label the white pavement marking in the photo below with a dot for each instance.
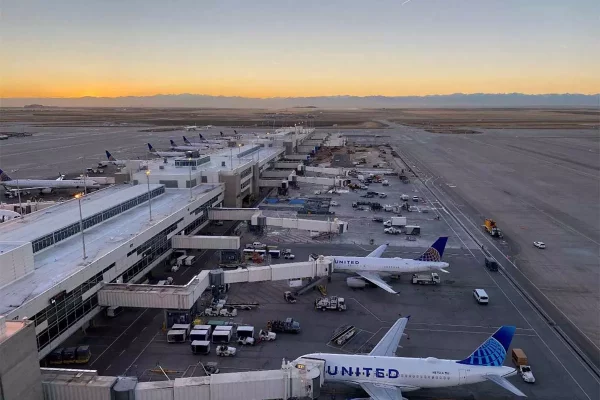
(369, 311)
(121, 353)
(139, 355)
(122, 333)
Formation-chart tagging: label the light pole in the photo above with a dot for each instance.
(190, 165)
(239, 148)
(149, 195)
(18, 192)
(84, 175)
(78, 196)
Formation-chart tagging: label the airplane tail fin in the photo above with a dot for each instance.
(109, 156)
(221, 133)
(150, 148)
(201, 137)
(435, 252)
(186, 141)
(172, 143)
(493, 351)
(4, 177)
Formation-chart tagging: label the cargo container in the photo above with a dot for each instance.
(197, 334)
(201, 347)
(203, 328)
(181, 260)
(221, 336)
(182, 327)
(413, 230)
(227, 328)
(245, 331)
(189, 261)
(176, 336)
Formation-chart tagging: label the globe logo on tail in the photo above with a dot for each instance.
(431, 254)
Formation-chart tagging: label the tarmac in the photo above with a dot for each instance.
(533, 192)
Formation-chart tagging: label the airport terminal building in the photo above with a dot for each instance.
(51, 273)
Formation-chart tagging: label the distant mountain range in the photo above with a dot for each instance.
(432, 101)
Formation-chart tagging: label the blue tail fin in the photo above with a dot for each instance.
(493, 351)
(150, 148)
(201, 137)
(4, 177)
(109, 156)
(435, 252)
(185, 140)
(173, 143)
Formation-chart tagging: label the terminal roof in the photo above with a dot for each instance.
(55, 264)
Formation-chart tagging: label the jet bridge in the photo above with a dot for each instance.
(206, 242)
(183, 297)
(291, 381)
(254, 215)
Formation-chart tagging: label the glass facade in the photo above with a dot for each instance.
(68, 231)
(66, 308)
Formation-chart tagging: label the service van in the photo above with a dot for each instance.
(481, 296)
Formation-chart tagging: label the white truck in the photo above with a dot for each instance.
(426, 279)
(265, 336)
(330, 303)
(398, 221)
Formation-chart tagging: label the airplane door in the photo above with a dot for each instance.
(462, 376)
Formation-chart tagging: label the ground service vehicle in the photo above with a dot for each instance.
(287, 296)
(245, 331)
(520, 360)
(432, 279)
(220, 312)
(377, 219)
(343, 334)
(289, 256)
(392, 231)
(264, 336)
(481, 296)
(69, 355)
(200, 347)
(398, 221)
(385, 183)
(113, 311)
(176, 336)
(415, 198)
(404, 197)
(491, 263)
(287, 326)
(330, 303)
(56, 357)
(413, 230)
(490, 227)
(226, 351)
(539, 245)
(83, 354)
(199, 334)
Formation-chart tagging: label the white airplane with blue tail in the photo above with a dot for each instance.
(385, 377)
(372, 267)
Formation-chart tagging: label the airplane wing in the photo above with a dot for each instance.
(378, 251)
(389, 343)
(498, 380)
(382, 392)
(376, 280)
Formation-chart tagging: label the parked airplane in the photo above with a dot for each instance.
(385, 377)
(206, 144)
(371, 267)
(165, 153)
(195, 127)
(45, 185)
(211, 141)
(186, 147)
(111, 160)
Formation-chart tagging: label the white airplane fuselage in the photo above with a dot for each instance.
(50, 184)
(168, 153)
(405, 373)
(385, 265)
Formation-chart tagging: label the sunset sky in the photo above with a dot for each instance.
(263, 48)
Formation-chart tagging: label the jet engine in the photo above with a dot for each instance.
(355, 283)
